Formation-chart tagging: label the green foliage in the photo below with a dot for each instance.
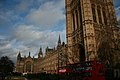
(6, 65)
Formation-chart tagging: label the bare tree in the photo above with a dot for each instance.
(108, 47)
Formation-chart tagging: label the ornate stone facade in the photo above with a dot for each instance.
(27, 64)
(53, 59)
(89, 25)
(91, 33)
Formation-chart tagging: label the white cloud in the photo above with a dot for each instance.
(38, 32)
(118, 12)
(2, 37)
(118, 18)
(47, 15)
(24, 32)
(4, 44)
(30, 38)
(7, 49)
(23, 5)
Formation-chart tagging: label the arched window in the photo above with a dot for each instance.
(28, 66)
(76, 14)
(104, 16)
(99, 14)
(94, 13)
(73, 21)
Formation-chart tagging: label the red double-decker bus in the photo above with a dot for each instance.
(88, 70)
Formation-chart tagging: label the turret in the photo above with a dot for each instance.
(19, 56)
(40, 54)
(63, 43)
(47, 49)
(59, 42)
(29, 55)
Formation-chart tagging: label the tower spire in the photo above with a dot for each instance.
(59, 40)
(19, 55)
(29, 53)
(40, 54)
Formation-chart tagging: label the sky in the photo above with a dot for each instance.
(27, 25)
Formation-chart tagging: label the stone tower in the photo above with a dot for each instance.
(87, 23)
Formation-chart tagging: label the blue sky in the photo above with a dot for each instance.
(27, 25)
(117, 8)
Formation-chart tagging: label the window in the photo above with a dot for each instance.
(104, 16)
(76, 12)
(93, 13)
(99, 14)
(73, 22)
(28, 66)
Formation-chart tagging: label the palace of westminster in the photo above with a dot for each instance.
(91, 33)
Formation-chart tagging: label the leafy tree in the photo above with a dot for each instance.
(6, 65)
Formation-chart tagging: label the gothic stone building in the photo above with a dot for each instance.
(91, 30)
(49, 63)
(91, 33)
